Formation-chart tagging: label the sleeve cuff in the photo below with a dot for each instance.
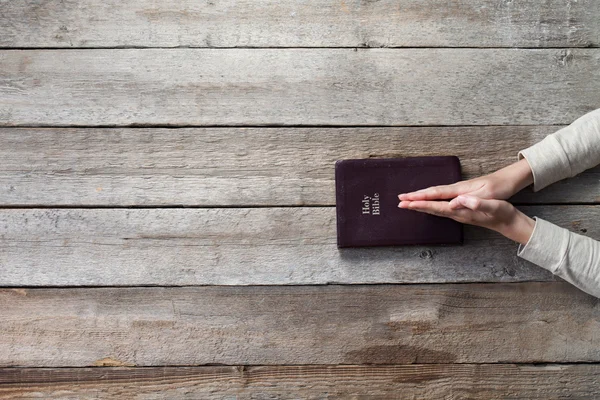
(548, 162)
(547, 246)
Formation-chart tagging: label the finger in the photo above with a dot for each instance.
(431, 207)
(442, 209)
(478, 204)
(432, 193)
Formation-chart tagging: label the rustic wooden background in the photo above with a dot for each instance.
(167, 220)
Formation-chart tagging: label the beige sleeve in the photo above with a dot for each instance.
(573, 257)
(563, 154)
(566, 152)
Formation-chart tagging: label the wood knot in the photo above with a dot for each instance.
(426, 254)
(565, 58)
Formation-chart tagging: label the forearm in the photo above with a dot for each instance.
(565, 153)
(573, 257)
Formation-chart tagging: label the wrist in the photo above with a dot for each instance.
(516, 176)
(519, 229)
(523, 173)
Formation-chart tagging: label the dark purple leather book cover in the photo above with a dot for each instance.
(367, 201)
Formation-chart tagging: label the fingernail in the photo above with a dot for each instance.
(400, 196)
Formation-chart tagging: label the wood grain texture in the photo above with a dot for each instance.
(288, 23)
(245, 246)
(421, 381)
(267, 325)
(241, 166)
(298, 86)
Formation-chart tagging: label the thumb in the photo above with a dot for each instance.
(476, 203)
(455, 204)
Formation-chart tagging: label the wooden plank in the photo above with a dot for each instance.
(244, 246)
(268, 325)
(241, 166)
(298, 86)
(288, 23)
(422, 381)
(209, 246)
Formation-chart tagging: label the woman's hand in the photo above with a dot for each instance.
(498, 215)
(501, 184)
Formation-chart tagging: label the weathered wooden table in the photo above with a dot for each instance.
(167, 221)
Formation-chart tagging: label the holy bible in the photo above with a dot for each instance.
(367, 201)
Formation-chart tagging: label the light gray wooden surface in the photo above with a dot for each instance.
(106, 133)
(241, 166)
(288, 23)
(421, 381)
(245, 246)
(266, 325)
(298, 86)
